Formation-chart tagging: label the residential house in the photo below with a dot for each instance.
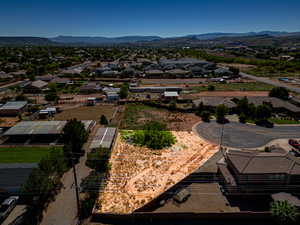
(35, 87)
(256, 172)
(13, 108)
(90, 87)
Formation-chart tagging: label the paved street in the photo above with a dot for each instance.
(237, 135)
(271, 82)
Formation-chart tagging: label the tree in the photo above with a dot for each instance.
(172, 105)
(234, 70)
(74, 136)
(242, 118)
(211, 88)
(103, 120)
(284, 213)
(154, 136)
(21, 97)
(243, 106)
(124, 91)
(51, 97)
(221, 112)
(99, 160)
(263, 112)
(205, 116)
(279, 92)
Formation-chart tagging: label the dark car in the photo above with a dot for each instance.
(265, 123)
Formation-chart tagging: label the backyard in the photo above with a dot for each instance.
(24, 154)
(139, 174)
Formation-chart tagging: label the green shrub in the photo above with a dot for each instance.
(103, 120)
(154, 136)
(205, 116)
(284, 213)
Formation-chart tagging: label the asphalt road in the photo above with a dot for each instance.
(271, 82)
(237, 135)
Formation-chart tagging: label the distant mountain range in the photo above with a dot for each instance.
(103, 40)
(140, 40)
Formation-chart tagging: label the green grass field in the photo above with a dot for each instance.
(256, 86)
(24, 154)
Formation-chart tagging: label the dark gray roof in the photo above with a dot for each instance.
(103, 138)
(36, 127)
(14, 105)
(257, 162)
(276, 102)
(13, 176)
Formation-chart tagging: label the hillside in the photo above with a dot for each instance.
(21, 41)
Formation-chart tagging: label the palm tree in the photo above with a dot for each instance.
(284, 212)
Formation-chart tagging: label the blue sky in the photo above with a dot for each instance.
(48, 18)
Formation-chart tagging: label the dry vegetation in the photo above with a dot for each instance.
(87, 112)
(139, 175)
(136, 115)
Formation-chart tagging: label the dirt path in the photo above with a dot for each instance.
(63, 210)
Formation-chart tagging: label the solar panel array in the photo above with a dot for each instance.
(103, 138)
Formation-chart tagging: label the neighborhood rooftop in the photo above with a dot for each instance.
(103, 138)
(36, 127)
(14, 105)
(255, 162)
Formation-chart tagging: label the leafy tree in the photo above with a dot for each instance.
(21, 97)
(103, 120)
(74, 136)
(263, 112)
(38, 184)
(243, 106)
(234, 70)
(279, 92)
(154, 136)
(172, 105)
(242, 118)
(99, 160)
(51, 97)
(284, 213)
(124, 91)
(221, 112)
(205, 116)
(211, 88)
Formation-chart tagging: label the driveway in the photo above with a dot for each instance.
(63, 211)
(238, 135)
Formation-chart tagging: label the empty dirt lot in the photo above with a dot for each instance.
(136, 115)
(139, 174)
(87, 112)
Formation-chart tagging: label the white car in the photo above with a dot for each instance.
(7, 206)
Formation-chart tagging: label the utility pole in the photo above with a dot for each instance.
(76, 185)
(221, 139)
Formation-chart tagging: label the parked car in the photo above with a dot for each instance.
(7, 206)
(182, 195)
(294, 143)
(265, 123)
